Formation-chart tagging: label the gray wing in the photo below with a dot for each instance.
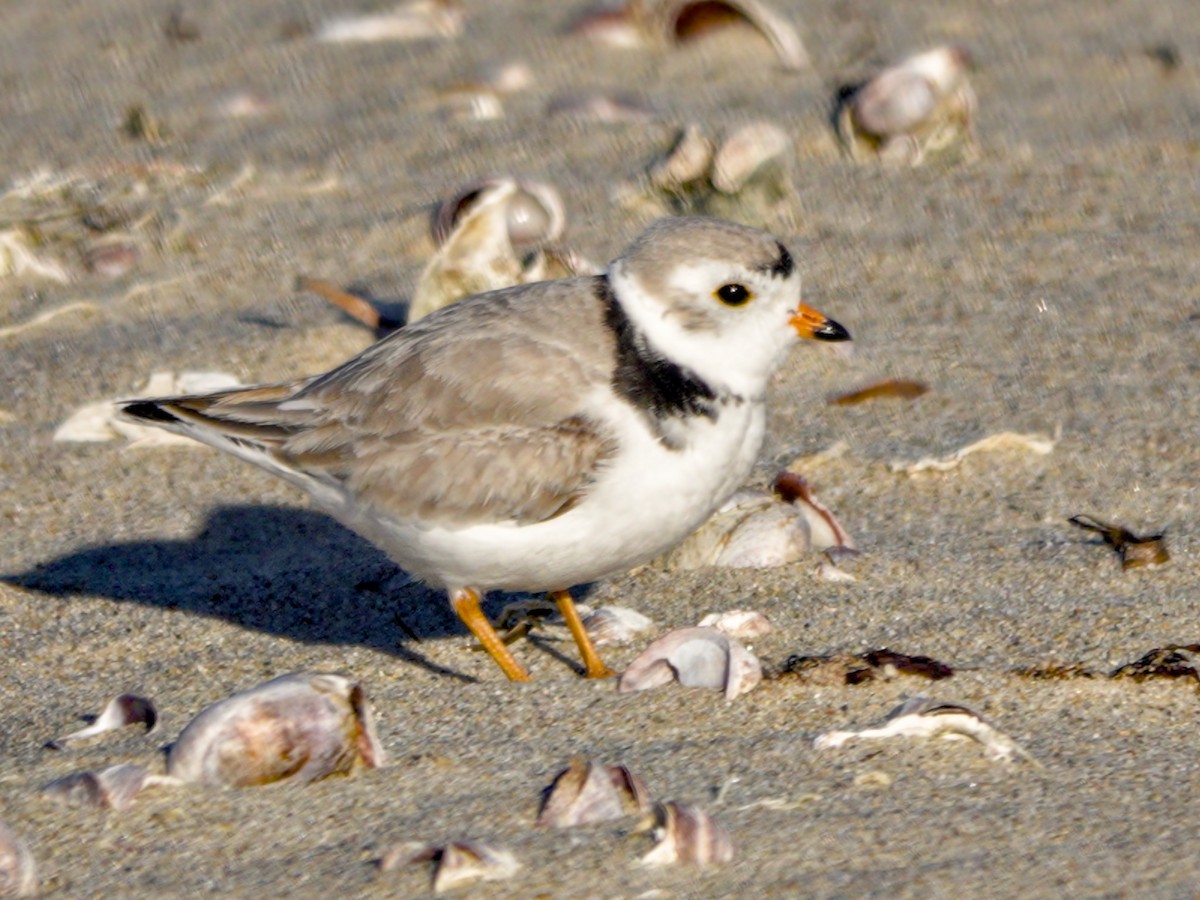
(474, 414)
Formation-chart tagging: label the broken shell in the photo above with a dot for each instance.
(688, 160)
(613, 26)
(300, 727)
(477, 255)
(679, 21)
(533, 211)
(1134, 551)
(586, 793)
(695, 657)
(743, 624)
(921, 105)
(18, 870)
(608, 107)
(113, 788)
(746, 153)
(126, 709)
(754, 529)
(615, 625)
(415, 20)
(111, 259)
(686, 834)
(921, 717)
(458, 863)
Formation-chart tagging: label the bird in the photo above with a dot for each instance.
(540, 436)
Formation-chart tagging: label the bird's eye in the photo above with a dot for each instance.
(734, 294)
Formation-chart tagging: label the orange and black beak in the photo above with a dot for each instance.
(811, 324)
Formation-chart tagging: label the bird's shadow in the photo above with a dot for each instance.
(295, 573)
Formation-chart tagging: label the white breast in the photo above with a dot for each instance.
(647, 499)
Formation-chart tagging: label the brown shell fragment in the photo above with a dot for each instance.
(1134, 551)
(893, 387)
(922, 105)
(695, 657)
(115, 787)
(456, 864)
(684, 833)
(18, 869)
(300, 727)
(586, 793)
(125, 709)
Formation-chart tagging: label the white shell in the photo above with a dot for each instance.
(534, 210)
(920, 105)
(615, 625)
(743, 624)
(115, 787)
(126, 709)
(682, 20)
(745, 152)
(695, 657)
(458, 863)
(18, 870)
(415, 20)
(688, 160)
(586, 793)
(299, 727)
(686, 834)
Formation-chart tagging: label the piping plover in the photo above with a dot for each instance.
(539, 436)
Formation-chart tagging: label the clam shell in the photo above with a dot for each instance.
(918, 106)
(678, 21)
(688, 160)
(745, 152)
(615, 625)
(415, 20)
(586, 793)
(533, 211)
(695, 657)
(300, 727)
(126, 709)
(458, 863)
(18, 870)
(686, 834)
(113, 788)
(743, 624)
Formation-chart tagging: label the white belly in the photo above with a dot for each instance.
(648, 499)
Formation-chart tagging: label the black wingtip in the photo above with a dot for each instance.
(149, 410)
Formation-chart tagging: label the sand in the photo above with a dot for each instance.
(1050, 286)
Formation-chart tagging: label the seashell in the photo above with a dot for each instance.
(111, 259)
(695, 657)
(242, 105)
(1038, 444)
(113, 788)
(684, 833)
(17, 258)
(742, 624)
(613, 26)
(18, 870)
(1134, 551)
(415, 20)
(754, 529)
(477, 255)
(300, 727)
(679, 21)
(100, 421)
(126, 709)
(746, 153)
(688, 160)
(615, 625)
(922, 105)
(921, 717)
(586, 793)
(609, 107)
(549, 263)
(458, 863)
(533, 210)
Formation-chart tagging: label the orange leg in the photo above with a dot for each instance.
(466, 603)
(591, 659)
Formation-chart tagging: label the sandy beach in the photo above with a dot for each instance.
(1047, 288)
